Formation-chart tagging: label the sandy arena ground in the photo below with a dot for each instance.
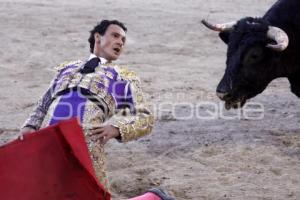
(180, 63)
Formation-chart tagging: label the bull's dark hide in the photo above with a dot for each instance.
(250, 64)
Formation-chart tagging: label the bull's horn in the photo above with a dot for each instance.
(219, 27)
(281, 38)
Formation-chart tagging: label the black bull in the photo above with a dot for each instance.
(260, 50)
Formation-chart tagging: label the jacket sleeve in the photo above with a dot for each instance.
(37, 116)
(136, 122)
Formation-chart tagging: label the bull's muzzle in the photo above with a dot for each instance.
(223, 95)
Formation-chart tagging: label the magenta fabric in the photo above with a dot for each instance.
(147, 196)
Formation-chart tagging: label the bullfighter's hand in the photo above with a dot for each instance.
(105, 133)
(24, 131)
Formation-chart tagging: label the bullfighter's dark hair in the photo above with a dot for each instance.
(101, 29)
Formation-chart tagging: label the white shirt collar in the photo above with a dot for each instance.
(103, 60)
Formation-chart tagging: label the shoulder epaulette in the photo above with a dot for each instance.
(126, 74)
(66, 64)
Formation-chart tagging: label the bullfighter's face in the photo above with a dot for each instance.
(110, 45)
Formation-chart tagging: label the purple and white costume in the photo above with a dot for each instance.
(109, 96)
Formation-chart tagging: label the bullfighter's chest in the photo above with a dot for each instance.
(105, 83)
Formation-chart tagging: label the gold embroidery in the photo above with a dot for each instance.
(75, 80)
(66, 63)
(133, 126)
(126, 74)
(109, 75)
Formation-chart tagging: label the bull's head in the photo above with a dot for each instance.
(253, 47)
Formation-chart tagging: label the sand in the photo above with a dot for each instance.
(180, 63)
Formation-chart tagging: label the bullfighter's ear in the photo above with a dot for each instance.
(224, 36)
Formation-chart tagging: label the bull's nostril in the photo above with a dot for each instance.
(222, 95)
(222, 89)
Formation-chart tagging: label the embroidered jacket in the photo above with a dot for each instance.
(115, 87)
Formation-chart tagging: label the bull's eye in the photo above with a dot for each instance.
(253, 56)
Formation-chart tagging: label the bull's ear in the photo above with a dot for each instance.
(224, 36)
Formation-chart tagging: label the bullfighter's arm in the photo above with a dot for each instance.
(37, 116)
(136, 122)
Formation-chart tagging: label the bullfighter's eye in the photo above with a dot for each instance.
(253, 56)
